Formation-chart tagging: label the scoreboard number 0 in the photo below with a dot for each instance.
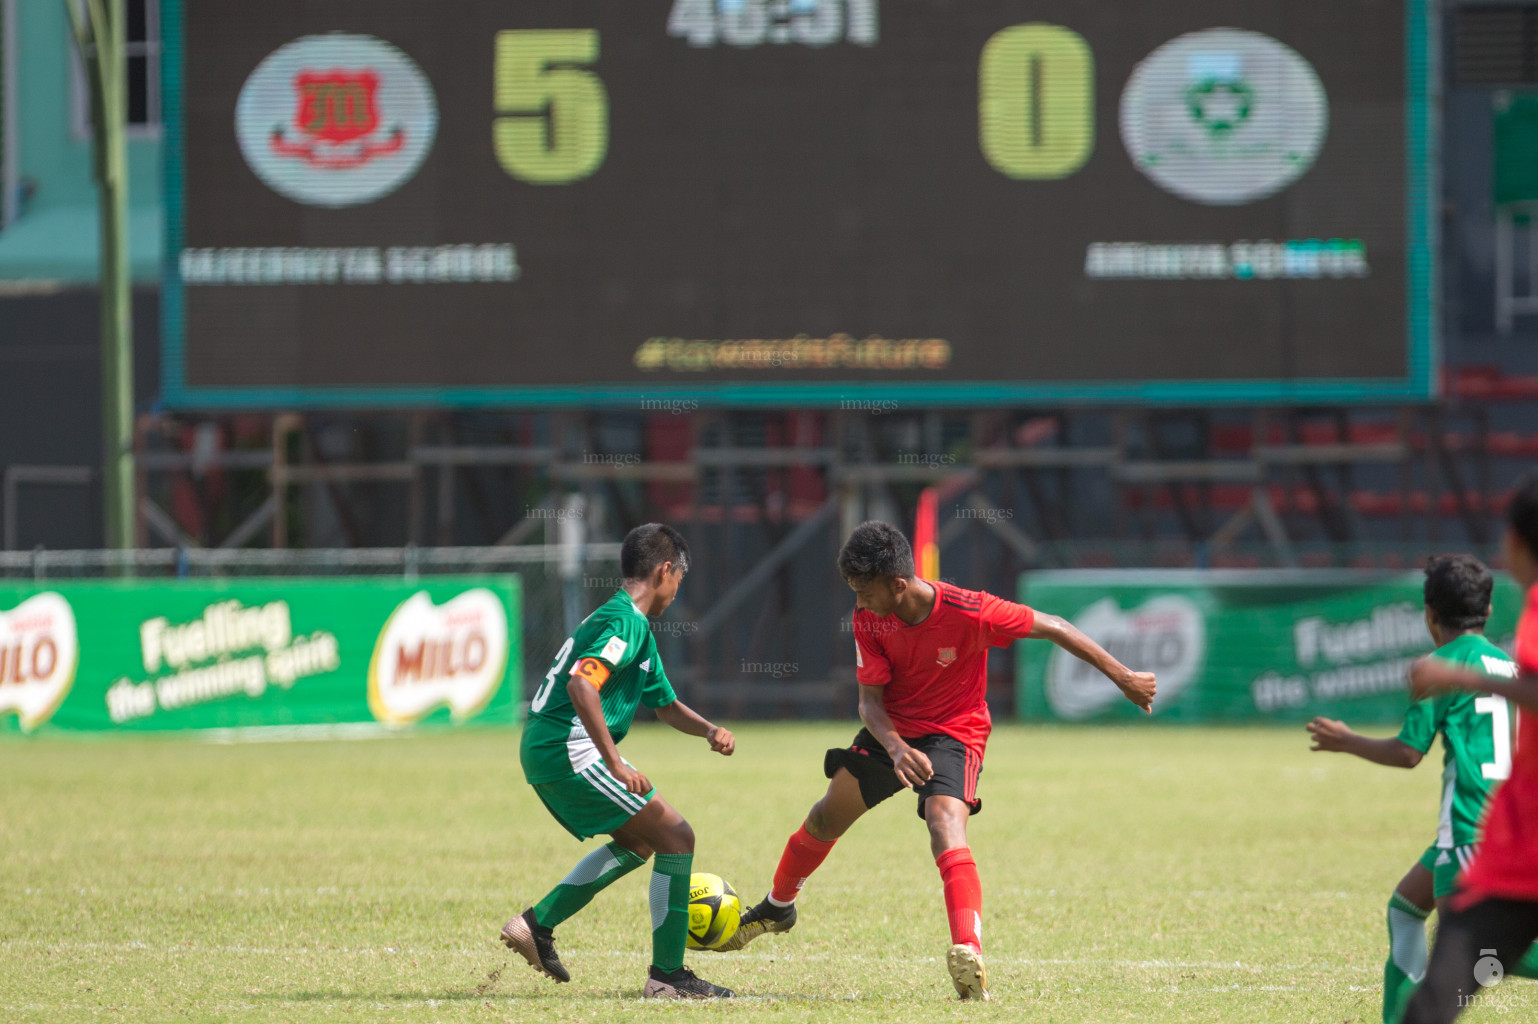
(552, 126)
(1036, 101)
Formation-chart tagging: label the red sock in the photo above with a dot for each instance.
(803, 853)
(963, 896)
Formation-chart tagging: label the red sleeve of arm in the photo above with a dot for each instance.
(1006, 621)
(871, 667)
(1527, 636)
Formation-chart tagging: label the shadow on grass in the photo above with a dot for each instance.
(338, 996)
(381, 997)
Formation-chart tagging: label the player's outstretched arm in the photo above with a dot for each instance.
(1138, 687)
(584, 699)
(686, 720)
(1431, 675)
(912, 766)
(1334, 735)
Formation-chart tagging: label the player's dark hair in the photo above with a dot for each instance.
(648, 546)
(1457, 591)
(1522, 513)
(873, 551)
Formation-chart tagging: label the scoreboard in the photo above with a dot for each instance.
(797, 202)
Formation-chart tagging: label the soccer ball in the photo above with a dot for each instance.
(714, 911)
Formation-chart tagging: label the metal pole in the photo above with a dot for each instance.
(117, 299)
(99, 31)
(10, 163)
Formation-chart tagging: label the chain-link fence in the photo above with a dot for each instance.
(738, 667)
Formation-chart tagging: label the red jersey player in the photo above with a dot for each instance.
(921, 650)
(1494, 914)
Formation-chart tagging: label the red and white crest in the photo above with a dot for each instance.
(946, 656)
(336, 120)
(337, 106)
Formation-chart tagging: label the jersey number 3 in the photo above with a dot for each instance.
(542, 695)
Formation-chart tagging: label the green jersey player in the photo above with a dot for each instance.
(1476, 739)
(569, 752)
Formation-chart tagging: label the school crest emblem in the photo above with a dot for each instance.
(336, 120)
(1224, 116)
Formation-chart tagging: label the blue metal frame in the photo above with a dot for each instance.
(1420, 383)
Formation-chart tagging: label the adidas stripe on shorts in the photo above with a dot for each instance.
(591, 802)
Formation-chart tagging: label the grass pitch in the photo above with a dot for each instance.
(1148, 875)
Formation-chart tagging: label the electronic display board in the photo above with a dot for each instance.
(797, 202)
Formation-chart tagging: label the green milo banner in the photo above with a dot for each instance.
(168, 655)
(1237, 646)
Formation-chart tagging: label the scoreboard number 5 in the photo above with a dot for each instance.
(553, 111)
(1036, 101)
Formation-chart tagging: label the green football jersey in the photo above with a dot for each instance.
(555, 745)
(1476, 736)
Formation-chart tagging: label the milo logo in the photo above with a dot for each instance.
(429, 657)
(39, 650)
(1166, 635)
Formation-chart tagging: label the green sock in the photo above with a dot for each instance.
(1527, 967)
(1406, 966)
(593, 873)
(670, 909)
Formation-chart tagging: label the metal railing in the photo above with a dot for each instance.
(42, 563)
(560, 583)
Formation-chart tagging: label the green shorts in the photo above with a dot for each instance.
(1445, 865)
(591, 802)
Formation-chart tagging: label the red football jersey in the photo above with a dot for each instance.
(1507, 862)
(936, 673)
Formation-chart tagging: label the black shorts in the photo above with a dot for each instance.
(955, 769)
